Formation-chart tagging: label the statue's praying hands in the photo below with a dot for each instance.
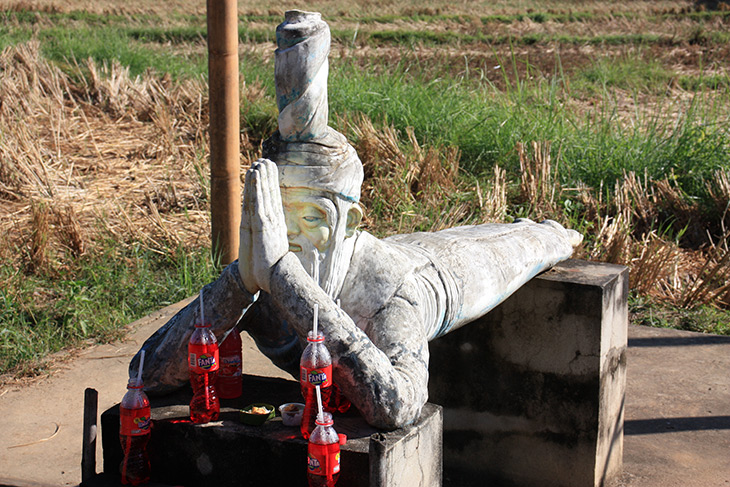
(263, 227)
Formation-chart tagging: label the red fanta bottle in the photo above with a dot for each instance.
(323, 453)
(315, 369)
(203, 362)
(230, 385)
(134, 434)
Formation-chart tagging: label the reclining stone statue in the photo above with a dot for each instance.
(301, 201)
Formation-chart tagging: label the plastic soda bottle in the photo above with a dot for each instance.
(134, 434)
(230, 384)
(315, 369)
(323, 453)
(203, 363)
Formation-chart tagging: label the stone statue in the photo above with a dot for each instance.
(300, 219)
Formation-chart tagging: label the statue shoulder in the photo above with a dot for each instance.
(377, 271)
(384, 257)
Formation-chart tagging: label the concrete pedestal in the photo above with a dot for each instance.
(533, 393)
(228, 453)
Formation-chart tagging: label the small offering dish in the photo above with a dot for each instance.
(291, 413)
(257, 414)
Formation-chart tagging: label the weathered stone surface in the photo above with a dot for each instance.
(533, 392)
(227, 452)
(301, 69)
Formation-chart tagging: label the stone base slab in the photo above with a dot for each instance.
(226, 452)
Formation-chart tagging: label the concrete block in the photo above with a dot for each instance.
(533, 393)
(227, 452)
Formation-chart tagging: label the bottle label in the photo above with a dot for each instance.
(134, 422)
(231, 366)
(321, 376)
(323, 459)
(203, 358)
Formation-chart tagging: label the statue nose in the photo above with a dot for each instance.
(292, 229)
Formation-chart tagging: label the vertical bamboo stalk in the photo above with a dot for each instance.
(225, 182)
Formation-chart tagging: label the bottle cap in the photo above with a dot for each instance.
(324, 420)
(134, 383)
(315, 339)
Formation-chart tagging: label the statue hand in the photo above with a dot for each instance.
(263, 226)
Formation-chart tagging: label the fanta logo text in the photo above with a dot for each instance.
(317, 377)
(206, 361)
(313, 464)
(142, 422)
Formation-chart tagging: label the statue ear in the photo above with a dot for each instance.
(354, 217)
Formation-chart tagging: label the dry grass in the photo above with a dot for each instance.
(493, 201)
(113, 155)
(626, 232)
(712, 282)
(538, 178)
(417, 188)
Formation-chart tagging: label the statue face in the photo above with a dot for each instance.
(317, 219)
(307, 222)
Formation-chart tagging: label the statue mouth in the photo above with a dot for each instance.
(294, 247)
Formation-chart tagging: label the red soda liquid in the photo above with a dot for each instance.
(205, 405)
(323, 454)
(315, 369)
(203, 363)
(229, 383)
(134, 434)
(338, 401)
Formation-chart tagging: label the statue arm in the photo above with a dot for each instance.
(165, 363)
(384, 372)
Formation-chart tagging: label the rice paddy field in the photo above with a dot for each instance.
(610, 117)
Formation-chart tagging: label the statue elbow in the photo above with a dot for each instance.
(391, 415)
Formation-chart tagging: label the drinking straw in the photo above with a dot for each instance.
(205, 376)
(141, 365)
(316, 319)
(315, 271)
(320, 414)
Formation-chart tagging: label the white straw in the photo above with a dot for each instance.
(315, 270)
(202, 309)
(141, 366)
(316, 319)
(319, 404)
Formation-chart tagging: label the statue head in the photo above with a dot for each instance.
(320, 188)
(320, 174)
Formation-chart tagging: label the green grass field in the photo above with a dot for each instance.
(612, 119)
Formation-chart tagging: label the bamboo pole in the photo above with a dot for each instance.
(225, 182)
